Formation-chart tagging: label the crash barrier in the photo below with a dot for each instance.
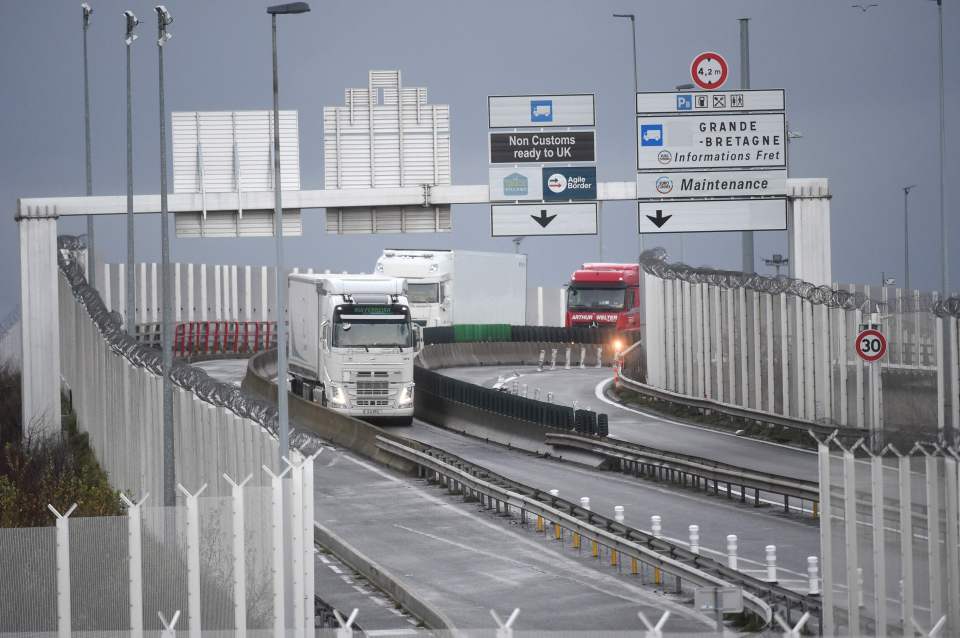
(116, 390)
(583, 525)
(452, 355)
(548, 415)
(191, 338)
(465, 333)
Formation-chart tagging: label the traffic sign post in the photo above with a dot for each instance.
(871, 346)
(709, 70)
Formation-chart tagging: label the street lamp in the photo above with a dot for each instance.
(636, 89)
(132, 22)
(777, 261)
(516, 244)
(166, 326)
(91, 261)
(906, 237)
(282, 411)
(944, 261)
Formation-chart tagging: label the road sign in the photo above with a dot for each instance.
(686, 103)
(511, 220)
(709, 70)
(569, 183)
(520, 111)
(871, 345)
(724, 599)
(516, 183)
(672, 185)
(542, 148)
(691, 216)
(711, 141)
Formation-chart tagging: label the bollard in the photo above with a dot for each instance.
(549, 397)
(553, 358)
(816, 509)
(599, 356)
(813, 577)
(634, 566)
(732, 551)
(543, 357)
(860, 587)
(556, 527)
(583, 356)
(536, 393)
(618, 513)
(655, 527)
(771, 563)
(566, 364)
(613, 558)
(524, 390)
(695, 539)
(585, 502)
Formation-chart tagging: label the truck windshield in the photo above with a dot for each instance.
(595, 298)
(423, 293)
(372, 333)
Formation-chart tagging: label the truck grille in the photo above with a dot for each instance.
(371, 403)
(373, 388)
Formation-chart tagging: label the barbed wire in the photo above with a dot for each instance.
(654, 262)
(195, 380)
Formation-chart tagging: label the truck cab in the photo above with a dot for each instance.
(428, 274)
(352, 344)
(605, 295)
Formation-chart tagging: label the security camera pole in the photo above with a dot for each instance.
(166, 325)
(132, 22)
(91, 261)
(282, 412)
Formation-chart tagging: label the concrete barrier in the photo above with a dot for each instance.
(455, 355)
(393, 586)
(353, 434)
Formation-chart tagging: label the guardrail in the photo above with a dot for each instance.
(192, 338)
(760, 597)
(467, 333)
(641, 460)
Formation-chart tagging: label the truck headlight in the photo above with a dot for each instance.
(336, 397)
(406, 396)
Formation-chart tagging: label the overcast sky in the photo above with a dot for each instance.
(861, 87)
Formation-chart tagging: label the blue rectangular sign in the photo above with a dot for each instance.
(570, 183)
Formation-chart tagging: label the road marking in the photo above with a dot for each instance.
(403, 631)
(335, 569)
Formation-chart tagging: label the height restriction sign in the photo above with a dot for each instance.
(871, 345)
(709, 70)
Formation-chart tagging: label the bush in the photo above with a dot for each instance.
(37, 469)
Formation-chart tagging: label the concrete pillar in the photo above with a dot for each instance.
(40, 315)
(808, 230)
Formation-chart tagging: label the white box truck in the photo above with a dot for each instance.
(460, 286)
(352, 344)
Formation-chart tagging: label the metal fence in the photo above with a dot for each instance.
(10, 338)
(777, 346)
(879, 580)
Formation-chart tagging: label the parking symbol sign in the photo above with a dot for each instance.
(541, 110)
(684, 102)
(651, 135)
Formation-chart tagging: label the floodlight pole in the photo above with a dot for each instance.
(283, 415)
(91, 260)
(906, 237)
(132, 22)
(636, 89)
(166, 326)
(747, 236)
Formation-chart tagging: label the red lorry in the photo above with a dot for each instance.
(605, 295)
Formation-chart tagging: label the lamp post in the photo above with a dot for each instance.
(91, 261)
(747, 257)
(282, 411)
(906, 237)
(169, 479)
(132, 22)
(636, 89)
(944, 260)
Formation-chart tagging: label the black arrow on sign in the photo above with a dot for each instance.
(544, 219)
(660, 219)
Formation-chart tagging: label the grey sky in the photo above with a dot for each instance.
(861, 87)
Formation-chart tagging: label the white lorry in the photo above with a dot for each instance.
(460, 286)
(352, 344)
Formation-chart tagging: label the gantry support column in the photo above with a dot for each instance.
(40, 317)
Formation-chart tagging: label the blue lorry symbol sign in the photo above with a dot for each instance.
(651, 135)
(541, 110)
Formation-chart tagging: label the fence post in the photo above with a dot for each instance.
(296, 541)
(239, 556)
(654, 631)
(169, 626)
(63, 570)
(135, 567)
(308, 549)
(276, 516)
(193, 559)
(345, 630)
(505, 629)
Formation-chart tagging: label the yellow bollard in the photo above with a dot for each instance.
(595, 549)
(556, 531)
(634, 567)
(539, 523)
(613, 558)
(657, 576)
(816, 509)
(576, 540)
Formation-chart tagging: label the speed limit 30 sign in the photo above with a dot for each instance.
(871, 345)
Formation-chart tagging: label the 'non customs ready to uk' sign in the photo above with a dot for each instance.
(688, 142)
(542, 147)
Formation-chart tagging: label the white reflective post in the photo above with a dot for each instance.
(771, 556)
(732, 551)
(583, 356)
(566, 365)
(694, 538)
(813, 579)
(655, 526)
(618, 513)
